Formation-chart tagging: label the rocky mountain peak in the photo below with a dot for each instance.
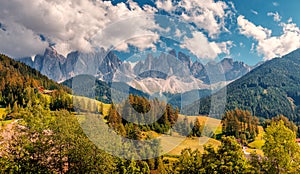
(174, 68)
(185, 59)
(59, 68)
(173, 53)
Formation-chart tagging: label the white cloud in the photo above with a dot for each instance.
(254, 12)
(71, 24)
(271, 46)
(276, 16)
(178, 33)
(276, 4)
(202, 48)
(206, 14)
(248, 29)
(136, 31)
(87, 24)
(24, 42)
(278, 46)
(166, 5)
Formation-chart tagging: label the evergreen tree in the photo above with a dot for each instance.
(189, 162)
(280, 149)
(241, 124)
(229, 158)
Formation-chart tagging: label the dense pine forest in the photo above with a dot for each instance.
(41, 133)
(269, 90)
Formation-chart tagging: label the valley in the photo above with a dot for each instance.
(85, 110)
(149, 87)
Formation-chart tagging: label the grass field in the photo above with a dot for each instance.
(86, 100)
(6, 122)
(151, 134)
(259, 141)
(2, 112)
(257, 151)
(256, 145)
(173, 145)
(180, 143)
(213, 123)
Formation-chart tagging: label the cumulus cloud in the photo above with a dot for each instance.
(24, 42)
(70, 24)
(271, 46)
(250, 30)
(276, 16)
(136, 31)
(206, 14)
(166, 5)
(84, 25)
(278, 46)
(202, 48)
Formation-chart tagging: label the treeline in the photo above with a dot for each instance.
(19, 84)
(53, 142)
(100, 90)
(57, 100)
(138, 115)
(267, 91)
(244, 126)
(281, 154)
(240, 124)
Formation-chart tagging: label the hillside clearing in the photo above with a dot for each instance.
(213, 123)
(259, 141)
(180, 143)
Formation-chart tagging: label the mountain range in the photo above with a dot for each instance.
(170, 72)
(60, 68)
(267, 91)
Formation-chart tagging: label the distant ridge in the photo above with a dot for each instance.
(267, 91)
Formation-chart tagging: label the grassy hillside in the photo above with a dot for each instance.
(211, 122)
(259, 141)
(193, 143)
(83, 103)
(102, 91)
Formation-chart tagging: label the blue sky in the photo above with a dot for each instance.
(207, 30)
(286, 9)
(258, 12)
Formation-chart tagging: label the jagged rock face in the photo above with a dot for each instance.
(108, 66)
(83, 63)
(51, 64)
(165, 63)
(28, 61)
(185, 59)
(152, 74)
(198, 70)
(176, 69)
(227, 70)
(234, 70)
(59, 68)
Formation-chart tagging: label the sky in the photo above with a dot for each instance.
(206, 30)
